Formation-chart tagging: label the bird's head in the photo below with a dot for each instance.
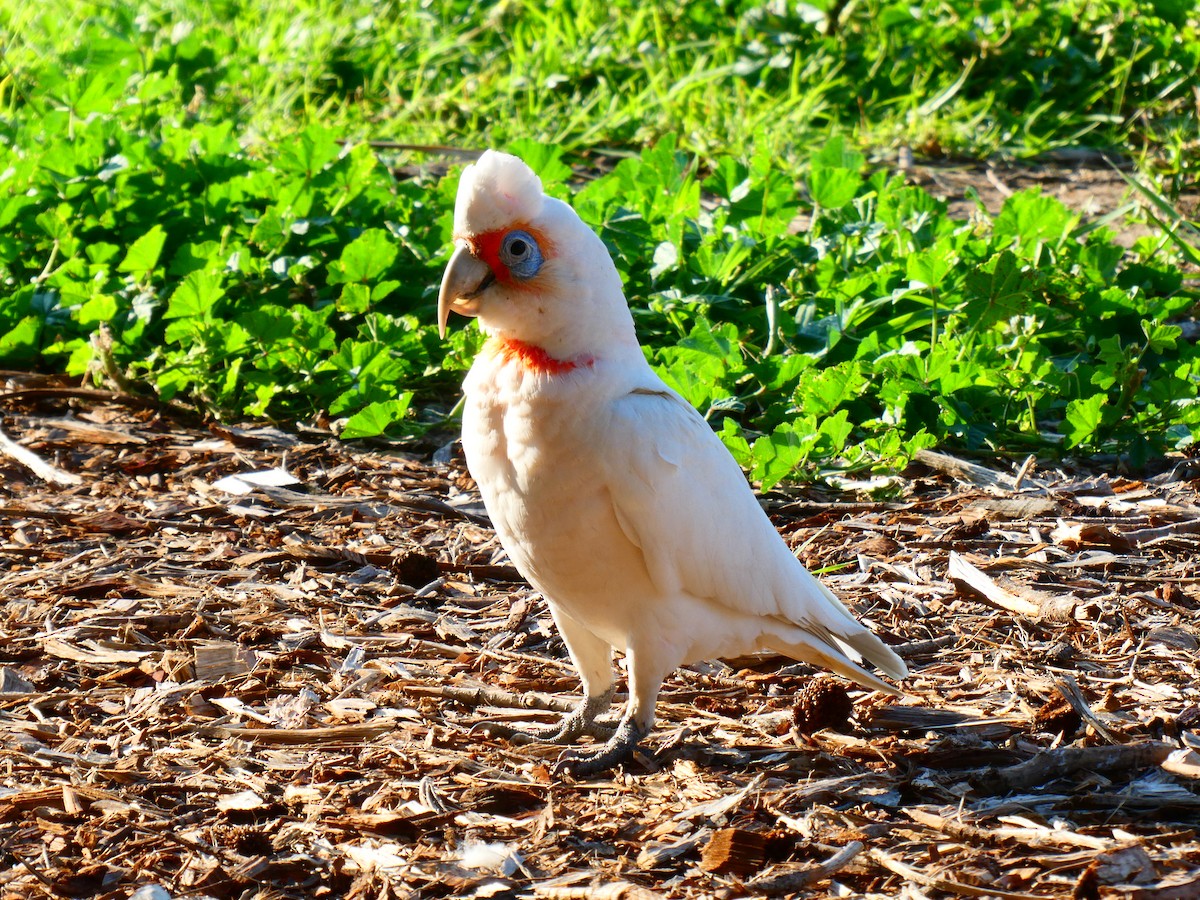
(528, 267)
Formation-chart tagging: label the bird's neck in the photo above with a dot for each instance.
(535, 359)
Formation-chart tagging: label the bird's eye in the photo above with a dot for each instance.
(520, 252)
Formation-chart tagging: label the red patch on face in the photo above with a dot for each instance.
(486, 246)
(534, 359)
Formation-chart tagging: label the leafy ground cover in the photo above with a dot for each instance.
(188, 208)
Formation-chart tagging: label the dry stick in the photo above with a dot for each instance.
(302, 736)
(49, 886)
(796, 881)
(1144, 536)
(486, 696)
(942, 884)
(971, 473)
(1026, 468)
(620, 890)
(1073, 695)
(97, 394)
(287, 497)
(1004, 189)
(919, 648)
(35, 463)
(1051, 764)
(1040, 838)
(1047, 606)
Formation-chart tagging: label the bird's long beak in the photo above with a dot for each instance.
(465, 278)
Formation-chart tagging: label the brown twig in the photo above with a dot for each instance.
(35, 463)
(1038, 606)
(920, 648)
(796, 881)
(1070, 691)
(482, 695)
(1051, 764)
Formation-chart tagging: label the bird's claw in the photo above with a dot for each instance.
(618, 749)
(522, 734)
(580, 721)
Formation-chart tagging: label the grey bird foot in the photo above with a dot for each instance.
(618, 749)
(580, 721)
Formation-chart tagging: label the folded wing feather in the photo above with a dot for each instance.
(681, 498)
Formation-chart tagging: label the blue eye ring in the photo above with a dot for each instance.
(519, 251)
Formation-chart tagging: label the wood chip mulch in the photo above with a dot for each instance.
(265, 687)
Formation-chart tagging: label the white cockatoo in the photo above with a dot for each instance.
(608, 490)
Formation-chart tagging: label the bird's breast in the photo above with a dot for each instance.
(535, 454)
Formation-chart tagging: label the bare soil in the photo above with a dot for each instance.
(271, 694)
(1085, 181)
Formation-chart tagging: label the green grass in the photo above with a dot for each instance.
(188, 207)
(967, 77)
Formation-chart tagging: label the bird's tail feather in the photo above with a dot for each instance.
(856, 640)
(877, 653)
(800, 644)
(837, 641)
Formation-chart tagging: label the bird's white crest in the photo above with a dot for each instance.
(494, 192)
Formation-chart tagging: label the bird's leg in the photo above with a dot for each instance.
(593, 659)
(645, 681)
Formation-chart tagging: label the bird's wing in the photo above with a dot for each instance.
(680, 497)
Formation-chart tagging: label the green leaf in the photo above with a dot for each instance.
(833, 188)
(821, 391)
(383, 289)
(100, 308)
(19, 346)
(1083, 419)
(834, 432)
(997, 289)
(365, 258)
(143, 253)
(777, 454)
(1160, 337)
(376, 418)
(1030, 216)
(195, 296)
(836, 155)
(270, 232)
(732, 436)
(930, 267)
(544, 159)
(355, 299)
